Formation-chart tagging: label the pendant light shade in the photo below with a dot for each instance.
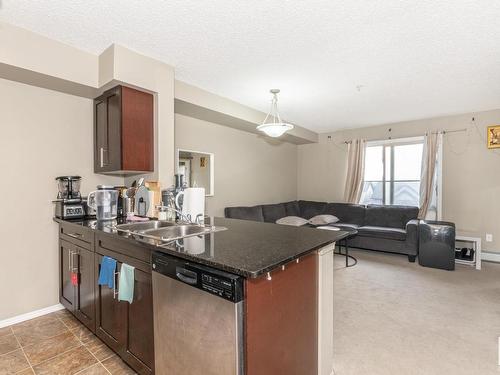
(272, 125)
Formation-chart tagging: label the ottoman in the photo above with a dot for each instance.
(436, 244)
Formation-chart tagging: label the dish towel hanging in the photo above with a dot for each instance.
(127, 279)
(107, 272)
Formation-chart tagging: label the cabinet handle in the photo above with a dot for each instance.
(69, 260)
(102, 156)
(115, 289)
(74, 235)
(73, 253)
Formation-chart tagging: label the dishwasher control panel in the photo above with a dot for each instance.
(208, 279)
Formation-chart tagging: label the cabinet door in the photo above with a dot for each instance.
(66, 288)
(107, 131)
(110, 313)
(85, 305)
(137, 130)
(139, 346)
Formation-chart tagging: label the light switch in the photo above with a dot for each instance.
(489, 237)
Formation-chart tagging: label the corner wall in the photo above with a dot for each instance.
(249, 169)
(471, 172)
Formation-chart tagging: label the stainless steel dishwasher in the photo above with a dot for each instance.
(198, 319)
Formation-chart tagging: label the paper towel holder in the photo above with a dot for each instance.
(197, 168)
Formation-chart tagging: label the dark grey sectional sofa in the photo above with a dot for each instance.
(383, 228)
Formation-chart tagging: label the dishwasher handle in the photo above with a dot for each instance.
(187, 276)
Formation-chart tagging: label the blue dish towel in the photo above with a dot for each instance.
(107, 272)
(127, 279)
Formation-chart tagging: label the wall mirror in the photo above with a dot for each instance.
(197, 168)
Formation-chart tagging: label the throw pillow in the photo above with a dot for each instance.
(323, 219)
(292, 220)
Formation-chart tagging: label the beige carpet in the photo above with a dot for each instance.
(395, 317)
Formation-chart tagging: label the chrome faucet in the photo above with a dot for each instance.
(183, 217)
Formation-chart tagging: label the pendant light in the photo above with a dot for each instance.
(274, 127)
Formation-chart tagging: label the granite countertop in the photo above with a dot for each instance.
(246, 248)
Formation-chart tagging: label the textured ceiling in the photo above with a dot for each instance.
(339, 64)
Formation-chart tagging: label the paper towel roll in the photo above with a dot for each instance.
(193, 203)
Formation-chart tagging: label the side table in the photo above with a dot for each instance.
(344, 242)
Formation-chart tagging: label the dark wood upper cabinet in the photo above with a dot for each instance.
(123, 131)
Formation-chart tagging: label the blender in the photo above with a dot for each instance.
(68, 204)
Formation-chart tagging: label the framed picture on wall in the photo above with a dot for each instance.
(494, 136)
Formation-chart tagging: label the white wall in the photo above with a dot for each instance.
(44, 134)
(249, 169)
(471, 172)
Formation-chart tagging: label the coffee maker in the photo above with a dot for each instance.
(68, 204)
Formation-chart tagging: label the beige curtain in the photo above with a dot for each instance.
(428, 173)
(355, 170)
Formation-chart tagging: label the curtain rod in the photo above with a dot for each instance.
(390, 138)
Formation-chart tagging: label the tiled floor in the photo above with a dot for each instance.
(56, 344)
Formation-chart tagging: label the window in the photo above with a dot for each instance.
(392, 172)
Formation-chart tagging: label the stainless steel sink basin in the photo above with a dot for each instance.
(179, 231)
(144, 226)
(165, 231)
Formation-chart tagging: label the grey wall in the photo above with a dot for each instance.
(249, 169)
(471, 172)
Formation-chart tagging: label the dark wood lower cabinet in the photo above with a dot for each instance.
(281, 314)
(139, 345)
(66, 288)
(281, 321)
(110, 325)
(84, 291)
(78, 296)
(127, 328)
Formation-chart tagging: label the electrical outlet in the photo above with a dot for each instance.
(489, 237)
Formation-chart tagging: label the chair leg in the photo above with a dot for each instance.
(346, 254)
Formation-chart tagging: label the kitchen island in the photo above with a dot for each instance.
(287, 295)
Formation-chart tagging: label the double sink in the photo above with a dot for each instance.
(164, 232)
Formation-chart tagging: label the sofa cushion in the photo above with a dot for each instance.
(294, 221)
(347, 212)
(245, 213)
(308, 209)
(292, 208)
(273, 212)
(323, 219)
(390, 216)
(382, 232)
(345, 226)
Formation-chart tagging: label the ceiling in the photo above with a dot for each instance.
(339, 64)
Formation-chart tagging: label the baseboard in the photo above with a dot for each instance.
(30, 315)
(490, 257)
